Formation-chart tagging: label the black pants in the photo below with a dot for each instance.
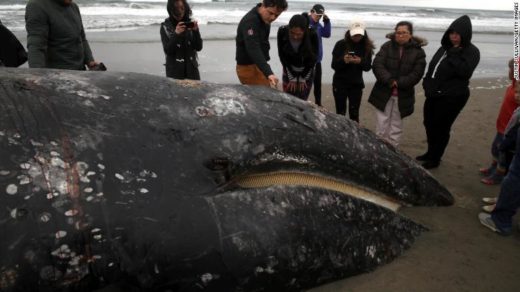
(353, 95)
(317, 84)
(439, 115)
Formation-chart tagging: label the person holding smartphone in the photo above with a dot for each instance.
(350, 57)
(181, 41)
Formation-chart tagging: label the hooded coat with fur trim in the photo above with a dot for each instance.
(454, 71)
(407, 70)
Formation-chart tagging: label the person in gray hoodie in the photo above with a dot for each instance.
(55, 36)
(446, 87)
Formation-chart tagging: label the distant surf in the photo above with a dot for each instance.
(128, 14)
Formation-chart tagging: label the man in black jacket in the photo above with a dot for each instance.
(55, 36)
(446, 87)
(253, 43)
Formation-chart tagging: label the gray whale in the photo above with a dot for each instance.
(131, 182)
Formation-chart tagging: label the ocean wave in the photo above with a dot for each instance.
(115, 14)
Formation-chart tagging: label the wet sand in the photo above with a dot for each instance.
(458, 253)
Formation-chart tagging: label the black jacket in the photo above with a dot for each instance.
(351, 75)
(455, 70)
(301, 59)
(55, 36)
(12, 53)
(407, 71)
(252, 41)
(181, 51)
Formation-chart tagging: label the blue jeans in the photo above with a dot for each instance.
(509, 197)
(496, 143)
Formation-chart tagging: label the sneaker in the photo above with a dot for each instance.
(423, 157)
(486, 171)
(490, 200)
(489, 170)
(486, 220)
(488, 208)
(494, 179)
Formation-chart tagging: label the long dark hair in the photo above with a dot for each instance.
(170, 7)
(302, 22)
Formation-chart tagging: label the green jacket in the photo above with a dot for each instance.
(55, 35)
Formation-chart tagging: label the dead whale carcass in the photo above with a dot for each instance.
(130, 180)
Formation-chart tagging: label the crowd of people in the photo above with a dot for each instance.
(56, 39)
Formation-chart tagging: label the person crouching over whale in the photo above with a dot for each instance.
(298, 52)
(181, 41)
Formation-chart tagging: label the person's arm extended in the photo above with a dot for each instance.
(37, 27)
(250, 34)
(89, 59)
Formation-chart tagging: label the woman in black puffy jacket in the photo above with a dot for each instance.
(446, 87)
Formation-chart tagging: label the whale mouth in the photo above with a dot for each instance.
(291, 178)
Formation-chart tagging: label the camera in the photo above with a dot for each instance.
(189, 24)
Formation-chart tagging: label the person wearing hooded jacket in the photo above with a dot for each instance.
(446, 87)
(181, 41)
(398, 67)
(56, 37)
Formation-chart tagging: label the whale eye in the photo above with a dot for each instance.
(217, 164)
(220, 168)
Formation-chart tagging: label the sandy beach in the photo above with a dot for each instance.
(457, 254)
(140, 50)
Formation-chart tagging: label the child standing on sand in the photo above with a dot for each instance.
(494, 173)
(500, 219)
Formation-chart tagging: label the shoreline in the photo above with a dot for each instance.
(141, 51)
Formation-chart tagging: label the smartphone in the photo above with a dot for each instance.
(189, 24)
(351, 53)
